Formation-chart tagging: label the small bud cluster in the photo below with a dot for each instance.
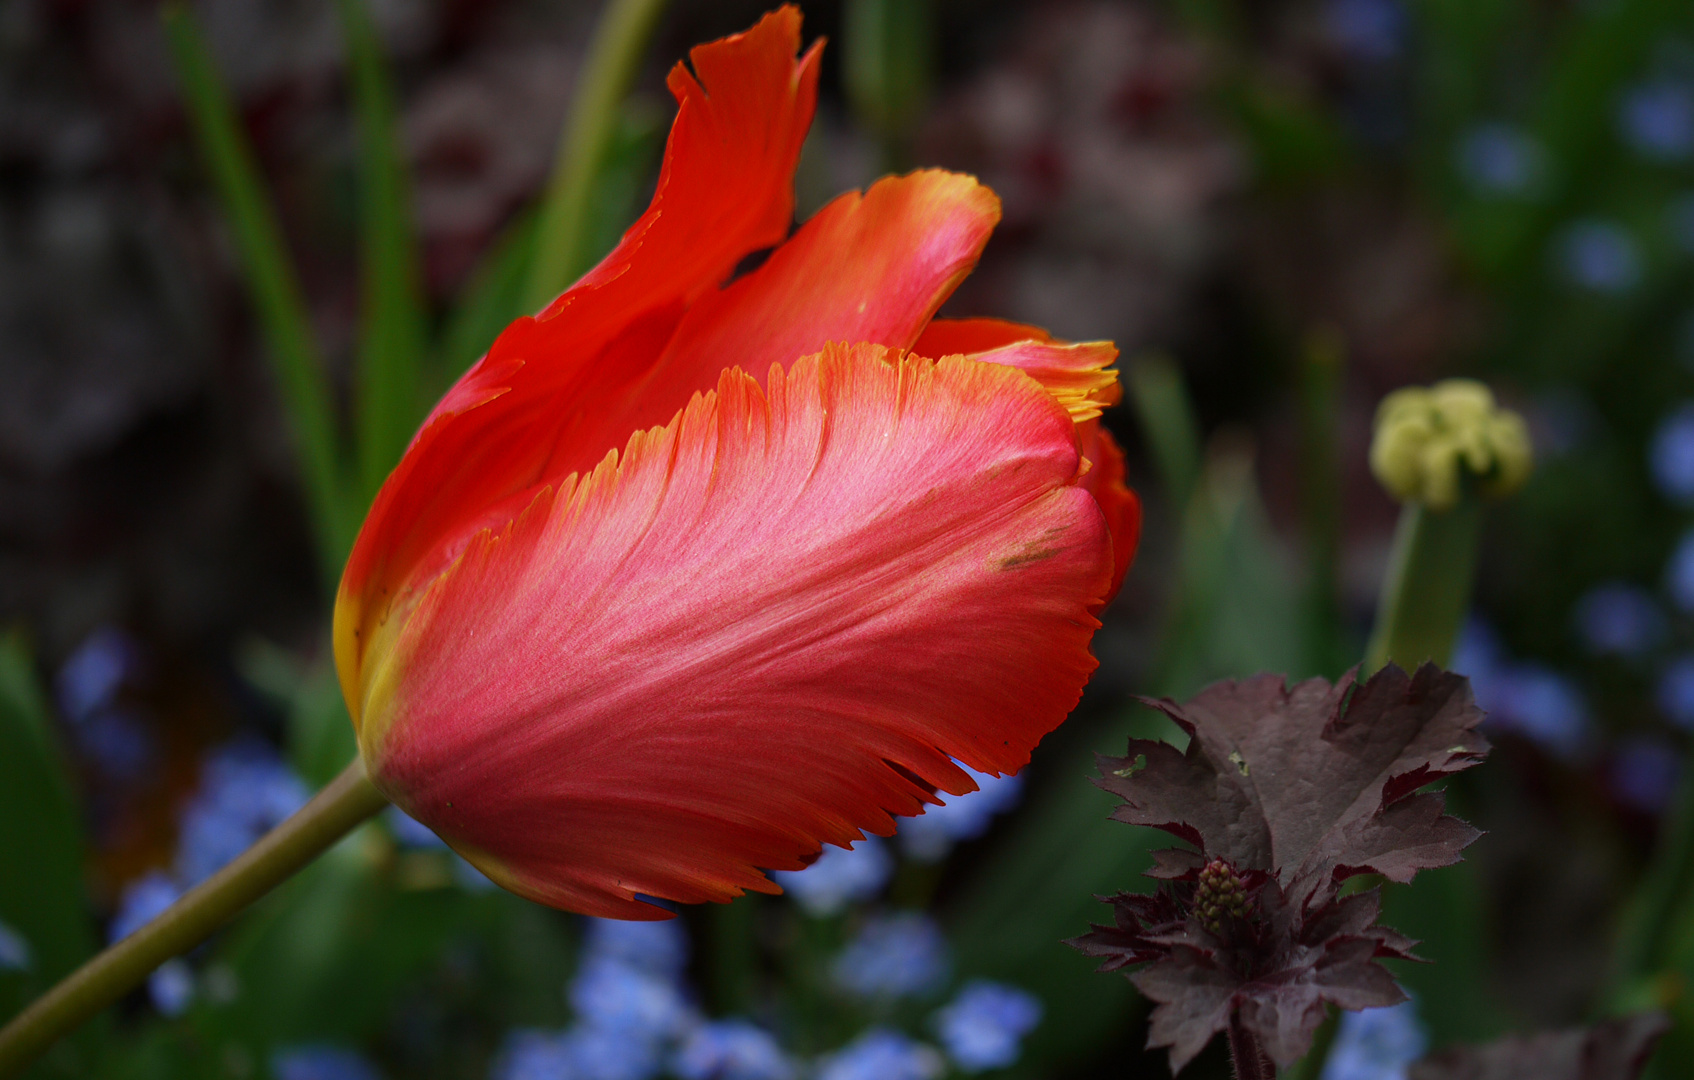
(1220, 893)
(1429, 441)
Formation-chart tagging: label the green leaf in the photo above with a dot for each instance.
(41, 844)
(887, 51)
(1234, 601)
(274, 288)
(391, 345)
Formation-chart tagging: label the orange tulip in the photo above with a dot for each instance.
(685, 578)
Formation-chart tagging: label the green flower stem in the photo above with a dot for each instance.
(1427, 589)
(614, 57)
(336, 810)
(1645, 936)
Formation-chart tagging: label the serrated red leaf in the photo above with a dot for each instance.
(1285, 792)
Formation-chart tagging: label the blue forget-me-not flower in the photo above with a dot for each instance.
(321, 1062)
(1599, 255)
(839, 877)
(1376, 1044)
(1671, 456)
(1657, 120)
(984, 1026)
(1619, 619)
(932, 834)
(882, 1054)
(245, 791)
(1367, 30)
(732, 1050)
(15, 953)
(1675, 692)
(1500, 159)
(901, 955)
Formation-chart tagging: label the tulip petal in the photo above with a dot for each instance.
(1106, 481)
(962, 337)
(725, 190)
(1076, 375)
(866, 268)
(770, 624)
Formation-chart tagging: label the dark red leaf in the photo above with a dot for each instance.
(1285, 792)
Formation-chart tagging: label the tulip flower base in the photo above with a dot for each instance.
(1284, 793)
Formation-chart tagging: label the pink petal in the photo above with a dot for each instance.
(769, 626)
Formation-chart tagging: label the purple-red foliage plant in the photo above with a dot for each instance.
(1283, 794)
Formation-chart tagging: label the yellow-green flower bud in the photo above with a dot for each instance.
(1428, 441)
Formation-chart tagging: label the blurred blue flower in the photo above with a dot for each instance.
(245, 791)
(732, 1050)
(118, 743)
(408, 831)
(1529, 699)
(469, 878)
(596, 1053)
(1644, 773)
(142, 901)
(1657, 120)
(15, 952)
(1618, 619)
(984, 1026)
(1540, 704)
(932, 834)
(94, 673)
(659, 947)
(881, 1054)
(839, 877)
(171, 987)
(900, 955)
(1367, 30)
(320, 1062)
(1376, 1044)
(1598, 255)
(533, 1055)
(1679, 573)
(611, 995)
(1478, 654)
(1671, 456)
(1676, 692)
(1500, 159)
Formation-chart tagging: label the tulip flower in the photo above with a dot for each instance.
(700, 569)
(694, 572)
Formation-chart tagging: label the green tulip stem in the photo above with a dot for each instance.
(613, 60)
(1427, 589)
(334, 812)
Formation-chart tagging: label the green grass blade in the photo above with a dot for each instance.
(392, 338)
(614, 57)
(41, 845)
(273, 285)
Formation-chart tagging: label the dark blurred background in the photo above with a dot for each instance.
(1279, 211)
